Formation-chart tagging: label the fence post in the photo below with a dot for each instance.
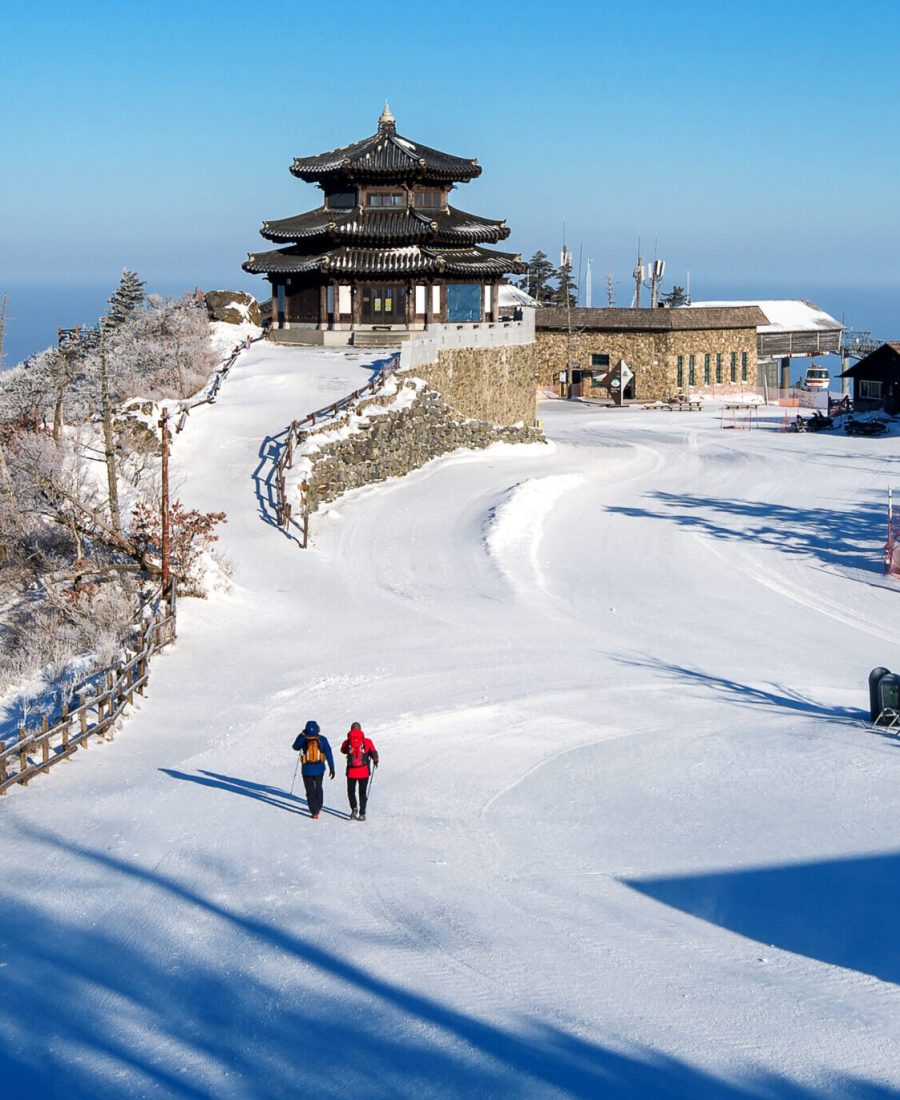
(23, 757)
(82, 720)
(65, 729)
(45, 745)
(109, 732)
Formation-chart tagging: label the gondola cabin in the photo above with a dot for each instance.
(817, 378)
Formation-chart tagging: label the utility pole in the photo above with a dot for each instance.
(109, 440)
(657, 270)
(2, 324)
(164, 519)
(638, 279)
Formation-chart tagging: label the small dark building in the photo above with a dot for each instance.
(876, 379)
(385, 252)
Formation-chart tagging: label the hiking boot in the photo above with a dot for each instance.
(315, 817)
(353, 815)
(362, 817)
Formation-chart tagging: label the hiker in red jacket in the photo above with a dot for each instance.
(360, 753)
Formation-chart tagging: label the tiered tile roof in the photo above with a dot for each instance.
(369, 240)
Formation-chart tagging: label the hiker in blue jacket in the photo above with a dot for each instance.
(314, 753)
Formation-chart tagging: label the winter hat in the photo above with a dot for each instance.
(355, 726)
(312, 728)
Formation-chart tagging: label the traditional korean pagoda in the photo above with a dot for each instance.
(385, 255)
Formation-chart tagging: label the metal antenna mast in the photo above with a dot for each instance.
(588, 284)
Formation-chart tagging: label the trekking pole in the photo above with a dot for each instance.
(369, 784)
(294, 780)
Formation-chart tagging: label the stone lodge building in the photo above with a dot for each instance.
(670, 351)
(385, 255)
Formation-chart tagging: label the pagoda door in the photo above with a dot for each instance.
(382, 304)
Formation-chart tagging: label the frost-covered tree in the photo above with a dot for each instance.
(125, 299)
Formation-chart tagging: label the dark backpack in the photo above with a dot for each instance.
(357, 757)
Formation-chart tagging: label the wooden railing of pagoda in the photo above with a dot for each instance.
(35, 752)
(285, 461)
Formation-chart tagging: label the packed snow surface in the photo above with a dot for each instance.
(629, 837)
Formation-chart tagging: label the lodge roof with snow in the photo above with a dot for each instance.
(792, 327)
(610, 319)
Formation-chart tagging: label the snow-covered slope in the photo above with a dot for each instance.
(628, 838)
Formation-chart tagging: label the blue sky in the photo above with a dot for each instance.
(756, 142)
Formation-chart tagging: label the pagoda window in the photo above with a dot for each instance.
(464, 302)
(342, 200)
(386, 198)
(428, 200)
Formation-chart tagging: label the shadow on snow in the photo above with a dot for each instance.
(272, 796)
(838, 911)
(194, 998)
(774, 697)
(849, 537)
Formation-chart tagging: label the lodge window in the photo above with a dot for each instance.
(386, 198)
(868, 390)
(734, 366)
(718, 368)
(599, 360)
(691, 370)
(679, 374)
(705, 370)
(428, 200)
(342, 200)
(743, 366)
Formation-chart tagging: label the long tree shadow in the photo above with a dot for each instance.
(838, 911)
(153, 1007)
(773, 697)
(272, 796)
(849, 537)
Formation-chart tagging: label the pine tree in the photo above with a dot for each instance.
(125, 299)
(536, 281)
(564, 294)
(677, 296)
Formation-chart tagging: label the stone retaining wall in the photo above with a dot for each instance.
(394, 433)
(497, 384)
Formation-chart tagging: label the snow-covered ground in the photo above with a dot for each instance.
(628, 839)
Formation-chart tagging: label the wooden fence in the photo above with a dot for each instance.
(286, 458)
(36, 751)
(212, 390)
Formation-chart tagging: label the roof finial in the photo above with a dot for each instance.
(387, 120)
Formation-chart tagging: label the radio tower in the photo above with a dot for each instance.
(587, 285)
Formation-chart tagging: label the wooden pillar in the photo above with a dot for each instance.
(323, 306)
(355, 299)
(410, 303)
